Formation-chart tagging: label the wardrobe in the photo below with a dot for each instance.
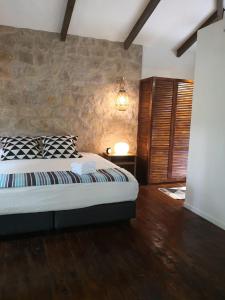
(163, 129)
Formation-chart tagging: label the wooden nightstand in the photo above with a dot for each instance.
(127, 161)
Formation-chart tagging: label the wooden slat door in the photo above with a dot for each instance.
(160, 129)
(180, 130)
(163, 129)
(143, 137)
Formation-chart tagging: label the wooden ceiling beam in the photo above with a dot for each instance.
(193, 38)
(141, 22)
(67, 19)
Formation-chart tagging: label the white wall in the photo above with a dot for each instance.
(206, 168)
(162, 62)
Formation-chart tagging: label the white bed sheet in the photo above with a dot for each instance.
(62, 197)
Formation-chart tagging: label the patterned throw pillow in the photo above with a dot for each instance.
(60, 147)
(20, 147)
(3, 139)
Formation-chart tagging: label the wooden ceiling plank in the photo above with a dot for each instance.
(67, 19)
(141, 22)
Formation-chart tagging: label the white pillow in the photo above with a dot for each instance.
(1, 152)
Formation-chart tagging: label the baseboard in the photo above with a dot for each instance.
(205, 216)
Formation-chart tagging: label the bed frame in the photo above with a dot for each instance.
(47, 221)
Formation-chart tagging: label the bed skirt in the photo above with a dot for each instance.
(47, 221)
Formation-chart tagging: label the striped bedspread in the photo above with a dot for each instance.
(60, 177)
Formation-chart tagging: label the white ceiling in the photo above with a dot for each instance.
(170, 24)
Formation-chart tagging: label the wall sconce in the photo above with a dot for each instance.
(122, 100)
(121, 148)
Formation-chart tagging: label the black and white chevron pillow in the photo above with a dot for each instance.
(20, 147)
(60, 147)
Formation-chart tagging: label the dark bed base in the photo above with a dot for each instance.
(46, 221)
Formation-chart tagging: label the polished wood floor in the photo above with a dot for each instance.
(166, 253)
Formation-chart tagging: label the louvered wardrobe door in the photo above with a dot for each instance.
(180, 131)
(161, 128)
(143, 139)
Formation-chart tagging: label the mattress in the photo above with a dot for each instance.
(62, 197)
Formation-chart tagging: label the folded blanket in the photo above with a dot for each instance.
(61, 177)
(83, 167)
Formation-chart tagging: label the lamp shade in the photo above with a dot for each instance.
(122, 100)
(121, 148)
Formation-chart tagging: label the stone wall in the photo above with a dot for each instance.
(53, 87)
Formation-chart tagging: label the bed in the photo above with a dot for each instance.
(49, 207)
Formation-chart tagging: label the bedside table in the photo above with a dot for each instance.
(127, 161)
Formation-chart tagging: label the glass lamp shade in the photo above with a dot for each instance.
(121, 148)
(122, 100)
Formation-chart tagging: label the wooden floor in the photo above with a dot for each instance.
(166, 253)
